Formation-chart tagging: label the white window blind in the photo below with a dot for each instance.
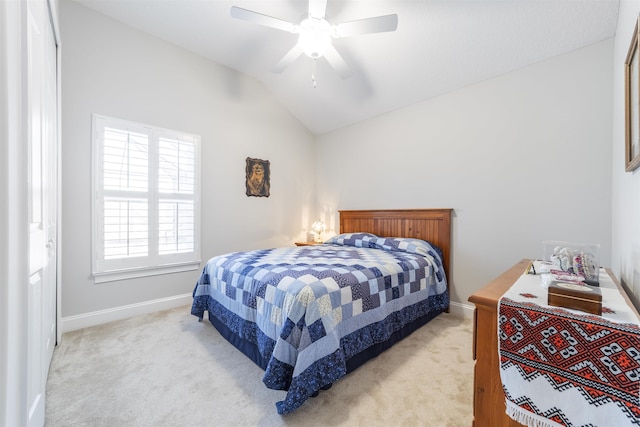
(176, 183)
(146, 204)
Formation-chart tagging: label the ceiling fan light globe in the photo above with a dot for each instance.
(314, 47)
(315, 37)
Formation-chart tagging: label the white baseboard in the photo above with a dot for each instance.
(94, 318)
(461, 310)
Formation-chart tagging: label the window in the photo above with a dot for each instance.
(146, 184)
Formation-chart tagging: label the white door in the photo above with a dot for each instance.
(42, 202)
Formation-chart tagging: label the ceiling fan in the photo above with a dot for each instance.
(315, 34)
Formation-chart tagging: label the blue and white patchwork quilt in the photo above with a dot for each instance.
(307, 311)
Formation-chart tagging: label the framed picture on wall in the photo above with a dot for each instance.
(257, 177)
(632, 109)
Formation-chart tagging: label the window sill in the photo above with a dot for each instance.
(112, 276)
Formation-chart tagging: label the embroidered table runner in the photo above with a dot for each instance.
(562, 367)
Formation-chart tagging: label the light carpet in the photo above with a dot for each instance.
(168, 369)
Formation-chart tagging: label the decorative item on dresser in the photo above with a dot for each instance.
(575, 296)
(308, 316)
(550, 366)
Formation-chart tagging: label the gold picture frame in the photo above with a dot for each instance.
(632, 107)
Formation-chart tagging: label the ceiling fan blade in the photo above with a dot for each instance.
(378, 24)
(288, 59)
(261, 19)
(317, 8)
(337, 63)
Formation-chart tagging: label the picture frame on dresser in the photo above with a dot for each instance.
(632, 107)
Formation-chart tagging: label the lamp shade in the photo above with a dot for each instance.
(318, 227)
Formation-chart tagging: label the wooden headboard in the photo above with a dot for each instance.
(433, 225)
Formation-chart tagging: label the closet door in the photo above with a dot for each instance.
(42, 201)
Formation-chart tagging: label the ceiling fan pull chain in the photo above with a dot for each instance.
(313, 72)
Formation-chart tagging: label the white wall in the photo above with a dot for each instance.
(521, 158)
(111, 69)
(626, 185)
(507, 154)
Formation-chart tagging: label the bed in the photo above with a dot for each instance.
(308, 315)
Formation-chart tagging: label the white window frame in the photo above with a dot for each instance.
(107, 270)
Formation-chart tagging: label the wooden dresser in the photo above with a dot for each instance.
(488, 397)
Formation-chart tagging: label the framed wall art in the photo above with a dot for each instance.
(631, 107)
(258, 173)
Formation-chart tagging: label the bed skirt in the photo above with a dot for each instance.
(356, 348)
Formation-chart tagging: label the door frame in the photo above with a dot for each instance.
(13, 217)
(14, 256)
(55, 25)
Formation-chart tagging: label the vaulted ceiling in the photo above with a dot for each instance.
(439, 46)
